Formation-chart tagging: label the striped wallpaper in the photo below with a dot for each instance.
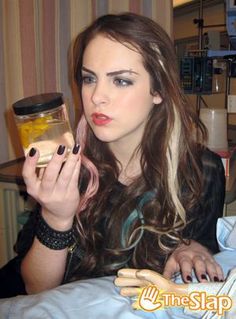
(35, 37)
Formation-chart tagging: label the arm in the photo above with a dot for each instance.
(211, 204)
(42, 268)
(202, 229)
(56, 190)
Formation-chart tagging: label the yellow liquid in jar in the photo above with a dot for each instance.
(47, 139)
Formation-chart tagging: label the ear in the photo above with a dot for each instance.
(157, 99)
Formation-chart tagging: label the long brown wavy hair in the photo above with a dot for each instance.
(140, 224)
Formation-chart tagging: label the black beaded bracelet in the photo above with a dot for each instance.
(52, 238)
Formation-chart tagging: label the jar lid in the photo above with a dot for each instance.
(38, 103)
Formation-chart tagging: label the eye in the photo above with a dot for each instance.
(122, 82)
(88, 79)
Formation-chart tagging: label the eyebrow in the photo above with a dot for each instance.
(118, 72)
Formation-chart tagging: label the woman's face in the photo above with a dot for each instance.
(116, 92)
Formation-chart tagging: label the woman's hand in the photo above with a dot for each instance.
(193, 257)
(55, 188)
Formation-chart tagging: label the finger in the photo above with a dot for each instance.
(145, 276)
(127, 272)
(68, 170)
(150, 275)
(71, 173)
(214, 271)
(53, 168)
(130, 282)
(130, 291)
(29, 169)
(73, 183)
(199, 265)
(220, 272)
(171, 268)
(186, 267)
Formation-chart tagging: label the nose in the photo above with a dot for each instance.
(100, 94)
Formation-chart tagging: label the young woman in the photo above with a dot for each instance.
(146, 182)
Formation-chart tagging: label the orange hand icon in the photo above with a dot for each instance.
(148, 299)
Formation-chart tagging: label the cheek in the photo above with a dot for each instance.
(133, 98)
(139, 102)
(84, 94)
(86, 98)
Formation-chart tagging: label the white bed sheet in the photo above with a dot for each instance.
(99, 298)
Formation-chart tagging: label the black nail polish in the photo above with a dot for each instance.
(204, 277)
(216, 279)
(76, 149)
(32, 152)
(189, 278)
(61, 149)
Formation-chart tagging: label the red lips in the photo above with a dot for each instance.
(100, 119)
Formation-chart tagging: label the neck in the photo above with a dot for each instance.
(129, 173)
(129, 163)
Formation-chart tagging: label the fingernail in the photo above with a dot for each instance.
(61, 149)
(76, 149)
(216, 279)
(32, 152)
(189, 278)
(204, 277)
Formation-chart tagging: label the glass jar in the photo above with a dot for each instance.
(43, 123)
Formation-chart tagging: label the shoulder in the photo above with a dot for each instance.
(211, 161)
(213, 170)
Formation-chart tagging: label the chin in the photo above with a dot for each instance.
(101, 137)
(102, 134)
(104, 139)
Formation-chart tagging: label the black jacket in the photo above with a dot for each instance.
(211, 205)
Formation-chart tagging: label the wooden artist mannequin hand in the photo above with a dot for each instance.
(131, 280)
(154, 287)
